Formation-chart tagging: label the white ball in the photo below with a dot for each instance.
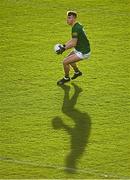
(56, 47)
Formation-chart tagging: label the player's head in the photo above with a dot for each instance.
(71, 17)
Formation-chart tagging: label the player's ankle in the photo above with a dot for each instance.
(67, 76)
(76, 70)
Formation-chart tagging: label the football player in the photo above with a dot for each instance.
(81, 45)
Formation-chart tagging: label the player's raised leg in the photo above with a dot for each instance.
(66, 64)
(77, 72)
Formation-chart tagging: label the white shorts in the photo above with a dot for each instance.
(81, 55)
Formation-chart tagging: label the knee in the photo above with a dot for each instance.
(65, 62)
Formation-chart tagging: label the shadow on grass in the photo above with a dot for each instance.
(80, 133)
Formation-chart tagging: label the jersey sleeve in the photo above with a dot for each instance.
(74, 35)
(75, 32)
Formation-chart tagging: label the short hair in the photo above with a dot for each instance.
(72, 13)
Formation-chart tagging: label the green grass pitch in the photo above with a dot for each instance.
(81, 130)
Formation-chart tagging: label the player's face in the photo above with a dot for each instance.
(70, 20)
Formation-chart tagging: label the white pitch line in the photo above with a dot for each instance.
(85, 171)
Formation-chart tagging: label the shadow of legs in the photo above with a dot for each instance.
(79, 138)
(80, 133)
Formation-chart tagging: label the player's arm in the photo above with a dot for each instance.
(71, 43)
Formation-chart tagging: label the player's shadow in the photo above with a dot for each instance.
(80, 133)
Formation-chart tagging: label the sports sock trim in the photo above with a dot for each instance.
(66, 78)
(77, 72)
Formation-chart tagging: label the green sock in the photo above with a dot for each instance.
(76, 70)
(67, 76)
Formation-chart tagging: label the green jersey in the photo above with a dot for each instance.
(82, 41)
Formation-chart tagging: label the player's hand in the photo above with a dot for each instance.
(61, 49)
